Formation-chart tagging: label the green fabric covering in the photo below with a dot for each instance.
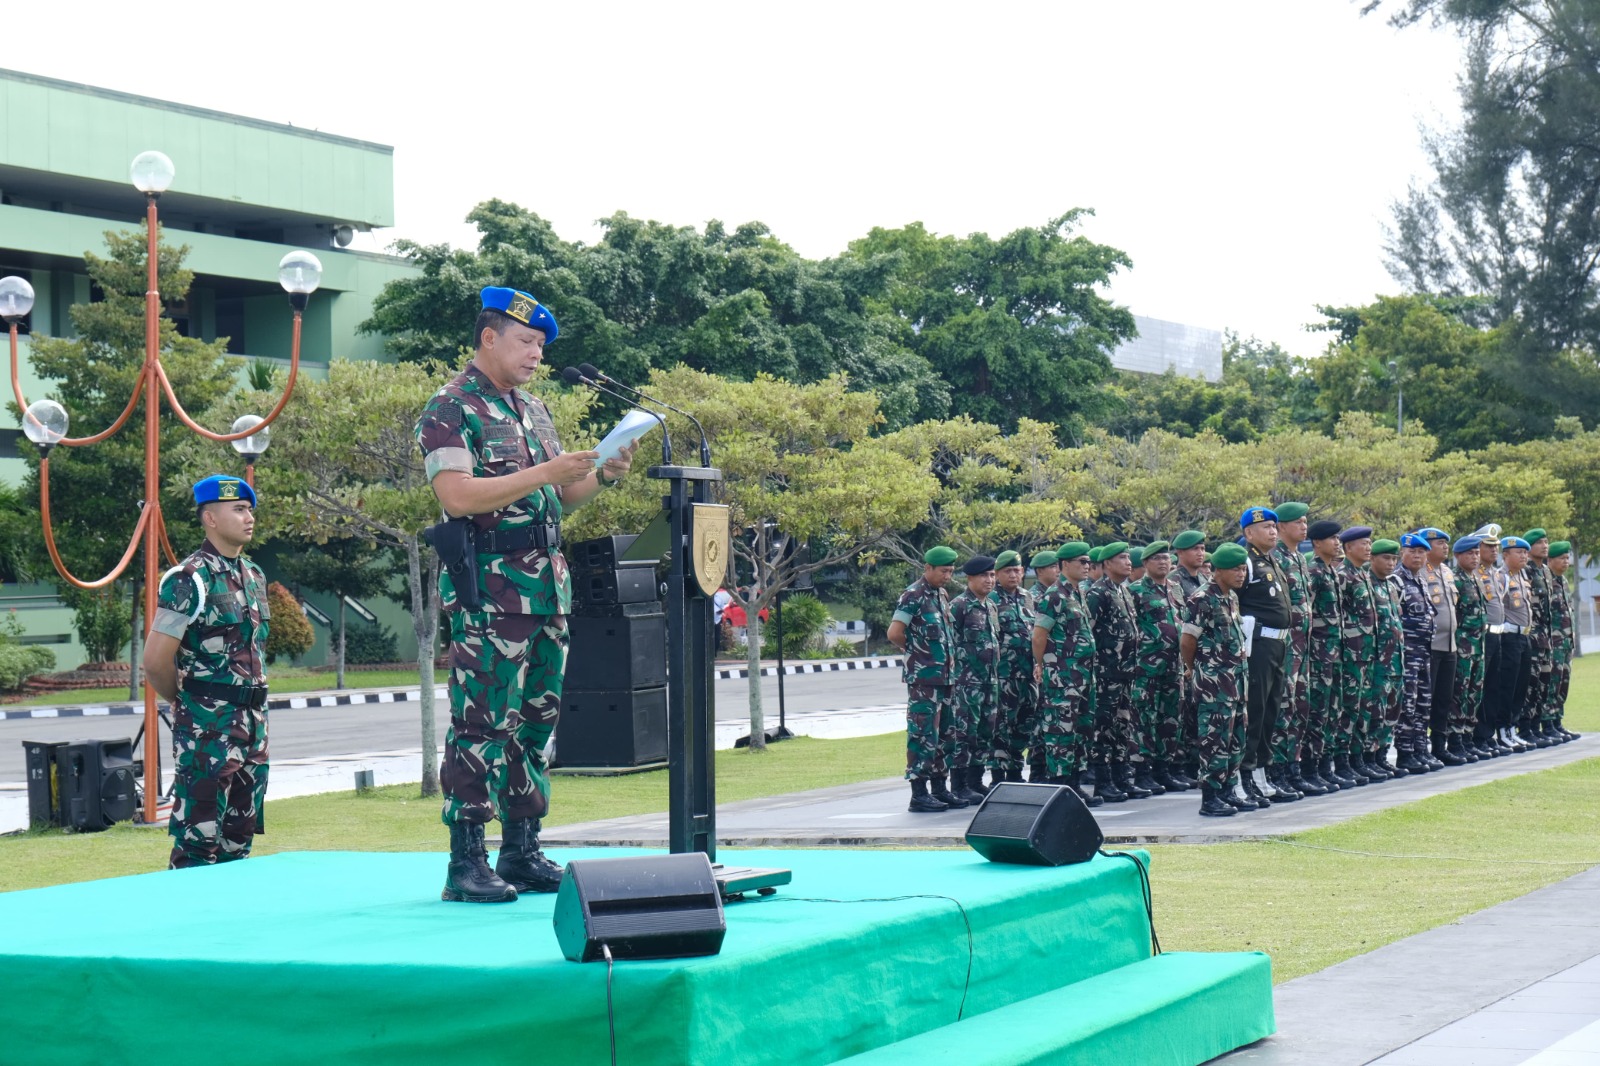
(1177, 1009)
(351, 958)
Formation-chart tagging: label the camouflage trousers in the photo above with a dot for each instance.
(1322, 710)
(968, 733)
(1355, 708)
(1066, 721)
(1017, 720)
(1417, 704)
(506, 672)
(926, 707)
(1287, 733)
(1387, 699)
(219, 788)
(1541, 664)
(1221, 731)
(1468, 686)
(1159, 721)
(1554, 703)
(1115, 738)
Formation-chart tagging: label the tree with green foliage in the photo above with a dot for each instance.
(289, 632)
(344, 568)
(96, 491)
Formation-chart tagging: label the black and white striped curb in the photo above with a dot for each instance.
(826, 666)
(283, 703)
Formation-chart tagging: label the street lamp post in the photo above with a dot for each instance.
(253, 446)
(45, 424)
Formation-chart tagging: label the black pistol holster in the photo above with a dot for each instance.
(455, 541)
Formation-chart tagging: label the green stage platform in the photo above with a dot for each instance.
(350, 957)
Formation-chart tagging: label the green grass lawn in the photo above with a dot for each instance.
(1309, 901)
(284, 681)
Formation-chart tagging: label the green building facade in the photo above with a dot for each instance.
(246, 193)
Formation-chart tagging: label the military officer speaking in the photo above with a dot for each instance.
(206, 657)
(493, 458)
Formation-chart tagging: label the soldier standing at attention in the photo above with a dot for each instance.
(1322, 658)
(976, 623)
(207, 658)
(1387, 696)
(1294, 710)
(1158, 610)
(1116, 641)
(921, 630)
(1416, 614)
(492, 455)
(1471, 627)
(1359, 611)
(1190, 549)
(1512, 678)
(1214, 657)
(1440, 582)
(1264, 603)
(1014, 722)
(1540, 659)
(1063, 667)
(1492, 583)
(1563, 637)
(1046, 568)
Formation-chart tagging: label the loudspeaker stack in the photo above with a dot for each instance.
(614, 700)
(87, 785)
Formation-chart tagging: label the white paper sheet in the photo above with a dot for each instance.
(630, 430)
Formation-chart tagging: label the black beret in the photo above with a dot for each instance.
(1322, 530)
(978, 564)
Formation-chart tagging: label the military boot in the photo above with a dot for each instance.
(1278, 777)
(1456, 744)
(968, 784)
(1211, 805)
(975, 780)
(1330, 772)
(1564, 731)
(1250, 783)
(1105, 786)
(1163, 776)
(522, 864)
(1123, 773)
(1548, 728)
(1304, 784)
(921, 802)
(1181, 774)
(1344, 769)
(1235, 796)
(1145, 779)
(942, 793)
(1375, 767)
(1442, 752)
(1037, 774)
(468, 878)
(1014, 773)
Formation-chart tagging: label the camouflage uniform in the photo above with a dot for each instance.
(1188, 585)
(1324, 649)
(1158, 612)
(969, 739)
(1037, 592)
(1562, 641)
(216, 608)
(928, 671)
(1294, 706)
(1416, 614)
(1541, 661)
(1472, 626)
(1018, 699)
(1221, 675)
(1066, 690)
(1116, 640)
(1358, 610)
(1387, 694)
(508, 657)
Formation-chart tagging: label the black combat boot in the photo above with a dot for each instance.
(1374, 765)
(1181, 774)
(1393, 769)
(1305, 784)
(1547, 728)
(1145, 778)
(1311, 771)
(1167, 779)
(1346, 769)
(921, 802)
(1456, 745)
(1037, 774)
(1211, 805)
(1443, 753)
(1278, 776)
(1252, 788)
(1433, 761)
(1330, 772)
(1014, 773)
(468, 878)
(522, 864)
(961, 785)
(1564, 731)
(1105, 785)
(1233, 794)
(1123, 773)
(942, 793)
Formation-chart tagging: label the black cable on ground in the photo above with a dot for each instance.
(1144, 883)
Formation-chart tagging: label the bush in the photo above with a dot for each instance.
(103, 619)
(289, 633)
(804, 619)
(18, 662)
(370, 644)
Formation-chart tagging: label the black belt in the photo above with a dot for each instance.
(502, 541)
(252, 696)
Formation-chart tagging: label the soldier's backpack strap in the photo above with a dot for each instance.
(200, 587)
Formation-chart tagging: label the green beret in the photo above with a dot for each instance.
(1137, 555)
(1534, 534)
(1043, 559)
(1094, 553)
(1208, 558)
(1227, 556)
(1155, 547)
(1385, 547)
(1559, 548)
(1112, 550)
(1073, 549)
(1007, 558)
(940, 556)
(1290, 512)
(1187, 539)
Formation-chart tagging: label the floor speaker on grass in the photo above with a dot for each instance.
(644, 907)
(1035, 825)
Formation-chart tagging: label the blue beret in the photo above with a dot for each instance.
(522, 307)
(1354, 533)
(1508, 543)
(1252, 515)
(1468, 543)
(222, 487)
(1433, 533)
(1414, 540)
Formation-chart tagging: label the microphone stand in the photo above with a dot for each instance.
(574, 376)
(590, 370)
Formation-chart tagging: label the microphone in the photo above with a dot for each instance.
(573, 376)
(592, 371)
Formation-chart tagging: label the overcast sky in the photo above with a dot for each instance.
(1243, 154)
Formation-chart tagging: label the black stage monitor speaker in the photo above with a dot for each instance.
(645, 907)
(44, 786)
(601, 553)
(625, 584)
(626, 727)
(617, 653)
(96, 783)
(1035, 825)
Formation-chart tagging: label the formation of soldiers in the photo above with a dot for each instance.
(1260, 672)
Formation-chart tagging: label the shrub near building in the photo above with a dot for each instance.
(289, 632)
